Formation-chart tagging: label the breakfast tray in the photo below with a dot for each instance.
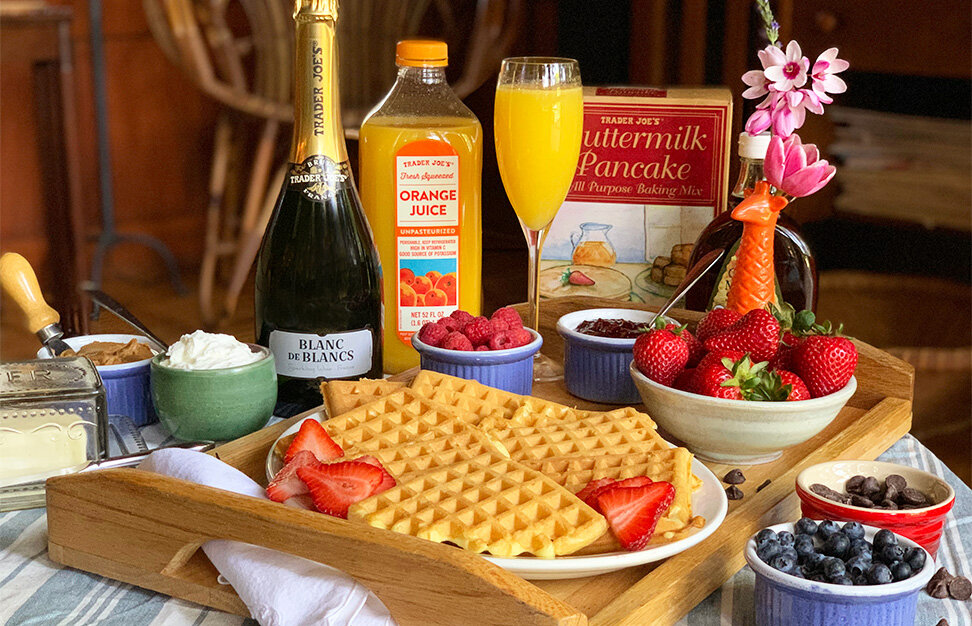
(146, 529)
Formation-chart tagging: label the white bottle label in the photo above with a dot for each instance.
(335, 355)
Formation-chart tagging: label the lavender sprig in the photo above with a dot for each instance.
(770, 24)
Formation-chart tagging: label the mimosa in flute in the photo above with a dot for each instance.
(538, 123)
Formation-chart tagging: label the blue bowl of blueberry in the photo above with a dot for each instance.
(823, 573)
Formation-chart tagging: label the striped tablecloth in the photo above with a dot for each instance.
(34, 590)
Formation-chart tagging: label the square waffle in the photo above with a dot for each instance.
(486, 504)
(340, 396)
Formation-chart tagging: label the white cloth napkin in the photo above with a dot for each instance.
(279, 589)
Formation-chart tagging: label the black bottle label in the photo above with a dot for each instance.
(319, 177)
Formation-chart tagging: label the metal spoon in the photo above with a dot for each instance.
(109, 303)
(691, 277)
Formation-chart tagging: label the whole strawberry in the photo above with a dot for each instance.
(725, 378)
(715, 321)
(660, 355)
(716, 356)
(696, 351)
(825, 363)
(783, 359)
(798, 390)
(756, 332)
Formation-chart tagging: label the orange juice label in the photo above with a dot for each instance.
(426, 233)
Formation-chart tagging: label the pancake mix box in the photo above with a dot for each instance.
(653, 172)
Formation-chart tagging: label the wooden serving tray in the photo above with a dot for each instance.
(146, 529)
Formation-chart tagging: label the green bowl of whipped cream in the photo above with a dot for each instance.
(210, 386)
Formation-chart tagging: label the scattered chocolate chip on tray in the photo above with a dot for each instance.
(869, 493)
(734, 477)
(943, 585)
(734, 493)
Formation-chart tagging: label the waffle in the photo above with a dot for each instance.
(486, 504)
(477, 400)
(673, 465)
(538, 436)
(340, 396)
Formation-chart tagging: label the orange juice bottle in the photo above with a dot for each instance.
(420, 168)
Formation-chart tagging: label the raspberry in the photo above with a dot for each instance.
(482, 348)
(463, 317)
(456, 341)
(519, 337)
(478, 330)
(510, 316)
(451, 324)
(432, 334)
(498, 324)
(501, 341)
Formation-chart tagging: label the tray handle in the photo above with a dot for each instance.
(147, 528)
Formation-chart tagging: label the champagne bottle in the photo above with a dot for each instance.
(318, 278)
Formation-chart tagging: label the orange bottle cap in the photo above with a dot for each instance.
(421, 53)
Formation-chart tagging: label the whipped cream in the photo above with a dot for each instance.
(208, 351)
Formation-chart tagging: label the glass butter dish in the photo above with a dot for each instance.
(53, 420)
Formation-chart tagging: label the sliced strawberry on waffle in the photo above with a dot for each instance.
(387, 480)
(286, 484)
(336, 486)
(313, 437)
(633, 512)
(596, 487)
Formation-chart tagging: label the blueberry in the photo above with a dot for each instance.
(842, 580)
(805, 526)
(879, 574)
(836, 545)
(857, 565)
(786, 538)
(814, 560)
(890, 554)
(883, 538)
(790, 553)
(859, 547)
(915, 558)
(853, 530)
(820, 578)
(768, 550)
(796, 571)
(826, 529)
(900, 570)
(860, 580)
(767, 534)
(782, 563)
(803, 545)
(833, 567)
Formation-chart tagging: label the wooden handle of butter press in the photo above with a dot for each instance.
(20, 282)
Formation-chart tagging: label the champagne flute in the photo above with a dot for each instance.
(538, 120)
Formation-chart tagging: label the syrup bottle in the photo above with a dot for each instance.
(796, 271)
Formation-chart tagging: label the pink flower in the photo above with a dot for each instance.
(784, 111)
(757, 84)
(794, 168)
(786, 72)
(822, 75)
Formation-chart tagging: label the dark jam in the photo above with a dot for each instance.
(615, 329)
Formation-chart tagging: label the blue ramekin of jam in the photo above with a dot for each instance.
(598, 347)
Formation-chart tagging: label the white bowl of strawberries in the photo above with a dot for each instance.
(744, 388)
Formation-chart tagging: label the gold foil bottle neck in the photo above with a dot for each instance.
(316, 8)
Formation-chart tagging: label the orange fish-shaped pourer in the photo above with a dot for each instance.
(753, 281)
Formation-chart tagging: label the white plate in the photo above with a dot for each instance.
(709, 501)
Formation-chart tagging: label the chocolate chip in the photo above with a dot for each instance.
(857, 500)
(890, 493)
(942, 622)
(898, 482)
(763, 485)
(870, 486)
(960, 588)
(889, 504)
(826, 492)
(937, 587)
(853, 484)
(910, 495)
(734, 493)
(734, 477)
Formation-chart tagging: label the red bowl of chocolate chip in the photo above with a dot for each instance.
(902, 499)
